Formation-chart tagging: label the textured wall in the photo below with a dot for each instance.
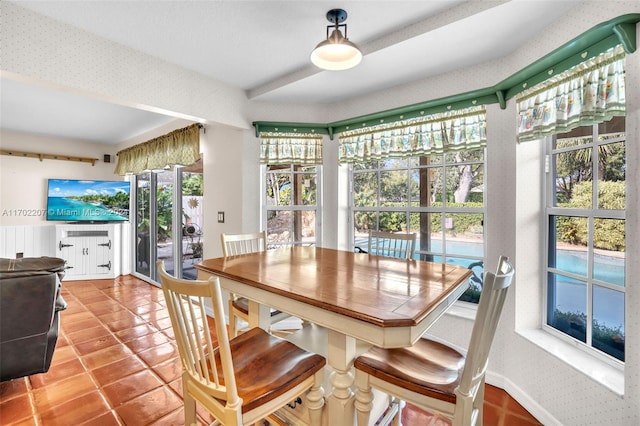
(20, 191)
(548, 386)
(35, 47)
(39, 48)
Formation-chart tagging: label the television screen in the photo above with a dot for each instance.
(87, 200)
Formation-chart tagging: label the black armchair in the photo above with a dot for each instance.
(30, 303)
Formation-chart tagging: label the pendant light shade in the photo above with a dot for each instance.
(336, 52)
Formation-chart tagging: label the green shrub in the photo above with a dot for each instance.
(393, 221)
(608, 234)
(396, 221)
(464, 222)
(609, 340)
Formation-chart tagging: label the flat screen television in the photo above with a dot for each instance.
(88, 200)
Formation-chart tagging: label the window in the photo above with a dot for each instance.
(440, 197)
(585, 298)
(292, 205)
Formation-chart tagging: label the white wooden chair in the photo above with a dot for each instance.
(237, 244)
(243, 380)
(392, 245)
(435, 376)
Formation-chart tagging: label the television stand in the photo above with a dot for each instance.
(92, 251)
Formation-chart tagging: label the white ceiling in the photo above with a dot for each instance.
(263, 47)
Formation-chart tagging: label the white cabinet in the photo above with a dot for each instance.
(91, 251)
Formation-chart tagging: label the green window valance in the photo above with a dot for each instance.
(589, 93)
(290, 148)
(435, 133)
(180, 147)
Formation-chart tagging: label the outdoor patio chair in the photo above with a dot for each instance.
(391, 244)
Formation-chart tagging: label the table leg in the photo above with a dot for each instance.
(259, 315)
(342, 350)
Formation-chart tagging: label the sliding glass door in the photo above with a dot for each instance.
(168, 221)
(192, 200)
(144, 233)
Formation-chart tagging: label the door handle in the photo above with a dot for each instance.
(108, 244)
(61, 246)
(106, 265)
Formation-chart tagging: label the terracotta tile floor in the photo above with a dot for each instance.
(116, 364)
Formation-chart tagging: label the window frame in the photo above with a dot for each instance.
(264, 171)
(551, 210)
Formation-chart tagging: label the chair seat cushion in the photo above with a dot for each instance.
(429, 368)
(267, 366)
(242, 304)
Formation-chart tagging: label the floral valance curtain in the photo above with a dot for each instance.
(589, 93)
(180, 147)
(285, 148)
(436, 133)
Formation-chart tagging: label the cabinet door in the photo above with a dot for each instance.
(102, 262)
(72, 250)
(89, 250)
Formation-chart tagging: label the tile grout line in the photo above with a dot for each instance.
(152, 370)
(142, 360)
(82, 361)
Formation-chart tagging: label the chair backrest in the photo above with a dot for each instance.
(209, 367)
(391, 245)
(234, 244)
(494, 292)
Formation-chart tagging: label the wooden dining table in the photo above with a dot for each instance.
(357, 298)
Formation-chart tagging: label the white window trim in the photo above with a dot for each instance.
(602, 372)
(460, 309)
(597, 357)
(530, 270)
(317, 208)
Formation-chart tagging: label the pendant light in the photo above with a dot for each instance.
(336, 52)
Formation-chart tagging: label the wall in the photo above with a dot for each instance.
(540, 379)
(49, 52)
(20, 190)
(23, 188)
(554, 380)
(224, 186)
(226, 178)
